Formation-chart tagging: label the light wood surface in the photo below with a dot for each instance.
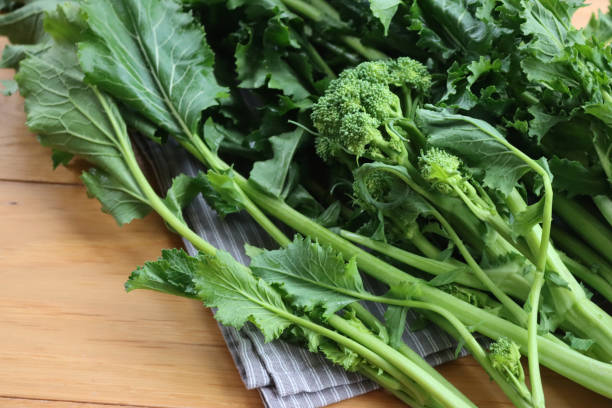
(71, 337)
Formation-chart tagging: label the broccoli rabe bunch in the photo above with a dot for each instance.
(364, 110)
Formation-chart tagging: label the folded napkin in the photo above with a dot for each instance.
(285, 375)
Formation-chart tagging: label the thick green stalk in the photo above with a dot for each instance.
(595, 233)
(421, 377)
(374, 324)
(515, 285)
(152, 198)
(584, 274)
(513, 308)
(581, 315)
(584, 253)
(390, 384)
(424, 245)
(604, 204)
(590, 373)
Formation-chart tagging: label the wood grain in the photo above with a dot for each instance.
(71, 337)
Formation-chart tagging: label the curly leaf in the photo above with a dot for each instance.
(311, 275)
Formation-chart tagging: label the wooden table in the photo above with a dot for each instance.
(71, 337)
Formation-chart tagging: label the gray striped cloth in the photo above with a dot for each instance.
(285, 375)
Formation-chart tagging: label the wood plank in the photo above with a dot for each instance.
(7, 402)
(72, 337)
(70, 332)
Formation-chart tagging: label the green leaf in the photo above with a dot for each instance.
(123, 204)
(70, 116)
(311, 275)
(65, 23)
(477, 143)
(528, 218)
(600, 26)
(14, 53)
(172, 273)
(59, 157)
(9, 87)
(384, 10)
(556, 279)
(395, 322)
(224, 283)
(347, 359)
(224, 195)
(154, 58)
(330, 216)
(578, 343)
(548, 33)
(212, 135)
(271, 175)
(25, 24)
(575, 179)
(183, 190)
(446, 277)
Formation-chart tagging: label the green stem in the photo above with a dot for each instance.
(586, 225)
(375, 325)
(305, 9)
(582, 315)
(246, 202)
(537, 391)
(592, 279)
(424, 245)
(318, 60)
(586, 371)
(604, 204)
(581, 251)
(368, 53)
(390, 384)
(411, 370)
(514, 285)
(152, 198)
(513, 308)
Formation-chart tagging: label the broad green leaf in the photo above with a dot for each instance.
(224, 283)
(25, 24)
(172, 273)
(477, 143)
(124, 205)
(70, 116)
(549, 34)
(311, 275)
(65, 23)
(14, 53)
(575, 179)
(271, 175)
(384, 10)
(154, 58)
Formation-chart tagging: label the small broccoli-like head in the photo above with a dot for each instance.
(505, 356)
(356, 106)
(408, 72)
(441, 169)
